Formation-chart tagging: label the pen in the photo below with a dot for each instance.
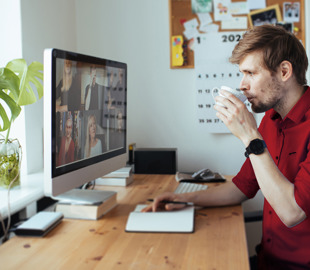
(175, 202)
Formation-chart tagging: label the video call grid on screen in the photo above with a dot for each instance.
(90, 97)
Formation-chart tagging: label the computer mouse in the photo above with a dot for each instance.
(203, 174)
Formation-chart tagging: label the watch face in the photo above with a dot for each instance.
(257, 146)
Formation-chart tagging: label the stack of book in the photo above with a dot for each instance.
(93, 211)
(121, 177)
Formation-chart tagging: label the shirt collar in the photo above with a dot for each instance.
(298, 111)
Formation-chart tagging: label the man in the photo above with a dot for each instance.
(274, 64)
(91, 91)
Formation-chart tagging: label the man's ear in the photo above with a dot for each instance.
(286, 69)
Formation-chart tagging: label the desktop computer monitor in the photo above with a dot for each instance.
(85, 120)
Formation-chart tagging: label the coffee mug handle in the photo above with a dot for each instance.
(215, 89)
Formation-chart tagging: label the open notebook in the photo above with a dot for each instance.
(178, 221)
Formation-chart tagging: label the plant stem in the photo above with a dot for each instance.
(8, 132)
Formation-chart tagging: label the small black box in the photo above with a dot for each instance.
(156, 160)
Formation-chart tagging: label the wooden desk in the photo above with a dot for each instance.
(219, 240)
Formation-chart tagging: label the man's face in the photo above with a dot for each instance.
(93, 75)
(263, 89)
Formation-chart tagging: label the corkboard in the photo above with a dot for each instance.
(180, 11)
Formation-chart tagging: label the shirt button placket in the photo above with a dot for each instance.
(281, 139)
(268, 240)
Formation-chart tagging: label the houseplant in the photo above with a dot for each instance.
(18, 82)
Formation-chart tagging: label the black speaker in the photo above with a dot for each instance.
(155, 160)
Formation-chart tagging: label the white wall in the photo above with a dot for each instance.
(45, 24)
(11, 48)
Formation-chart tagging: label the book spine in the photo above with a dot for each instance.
(114, 181)
(92, 212)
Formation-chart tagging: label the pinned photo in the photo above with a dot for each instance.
(291, 11)
(270, 15)
(201, 6)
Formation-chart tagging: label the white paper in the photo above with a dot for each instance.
(221, 10)
(210, 28)
(191, 28)
(239, 8)
(235, 23)
(204, 18)
(256, 4)
(191, 24)
(213, 69)
(215, 47)
(189, 34)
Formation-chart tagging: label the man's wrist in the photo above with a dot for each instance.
(256, 147)
(255, 135)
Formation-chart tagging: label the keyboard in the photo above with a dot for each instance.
(185, 187)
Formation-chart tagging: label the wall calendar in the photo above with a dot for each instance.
(212, 69)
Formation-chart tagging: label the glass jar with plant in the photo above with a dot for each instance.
(18, 82)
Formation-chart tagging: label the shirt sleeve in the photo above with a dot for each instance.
(246, 181)
(302, 186)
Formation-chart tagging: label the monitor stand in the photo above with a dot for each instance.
(84, 196)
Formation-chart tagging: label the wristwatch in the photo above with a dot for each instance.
(255, 147)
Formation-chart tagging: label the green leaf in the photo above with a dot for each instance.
(16, 89)
(9, 93)
(5, 119)
(14, 108)
(9, 80)
(28, 74)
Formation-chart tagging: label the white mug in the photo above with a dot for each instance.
(236, 92)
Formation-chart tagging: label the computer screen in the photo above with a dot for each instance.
(85, 119)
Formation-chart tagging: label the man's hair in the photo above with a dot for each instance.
(276, 45)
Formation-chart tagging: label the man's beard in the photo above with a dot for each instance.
(273, 101)
(259, 108)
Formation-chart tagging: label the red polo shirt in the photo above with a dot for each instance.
(288, 141)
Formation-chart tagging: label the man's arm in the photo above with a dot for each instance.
(87, 97)
(224, 194)
(276, 188)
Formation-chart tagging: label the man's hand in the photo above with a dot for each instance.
(236, 117)
(159, 205)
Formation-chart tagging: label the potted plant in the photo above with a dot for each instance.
(17, 83)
